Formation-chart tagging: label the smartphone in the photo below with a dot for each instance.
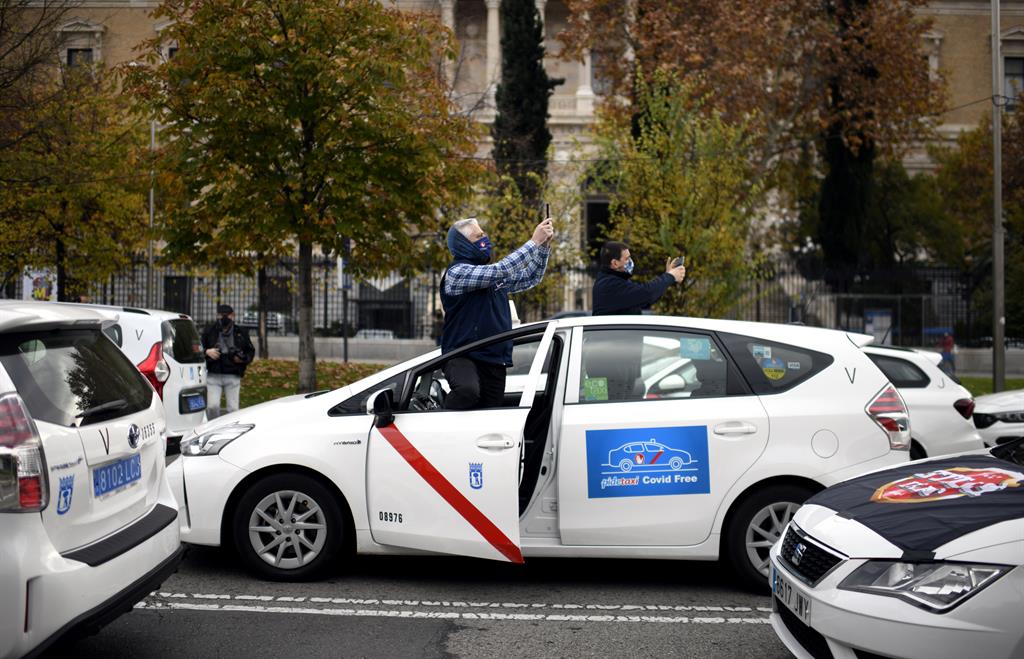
(547, 210)
(680, 260)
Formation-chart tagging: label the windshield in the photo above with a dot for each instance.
(181, 341)
(1011, 452)
(63, 373)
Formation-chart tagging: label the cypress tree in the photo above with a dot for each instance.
(520, 131)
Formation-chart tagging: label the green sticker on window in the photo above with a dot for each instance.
(595, 389)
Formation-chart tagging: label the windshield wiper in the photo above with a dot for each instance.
(118, 404)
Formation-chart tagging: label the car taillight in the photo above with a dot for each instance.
(965, 406)
(155, 368)
(888, 410)
(23, 486)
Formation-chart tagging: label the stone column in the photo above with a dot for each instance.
(493, 49)
(448, 20)
(584, 92)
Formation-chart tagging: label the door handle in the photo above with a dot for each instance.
(735, 428)
(495, 442)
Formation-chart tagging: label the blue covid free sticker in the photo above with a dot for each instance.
(647, 462)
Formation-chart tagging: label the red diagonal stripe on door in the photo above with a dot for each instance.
(655, 459)
(451, 494)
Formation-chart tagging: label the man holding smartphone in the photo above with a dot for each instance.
(616, 294)
(474, 295)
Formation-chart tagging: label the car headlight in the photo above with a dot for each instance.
(213, 440)
(937, 587)
(1009, 417)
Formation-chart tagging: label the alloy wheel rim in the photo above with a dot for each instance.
(764, 530)
(287, 529)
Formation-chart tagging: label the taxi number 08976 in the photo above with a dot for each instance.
(390, 517)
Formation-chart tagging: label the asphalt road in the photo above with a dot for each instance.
(444, 607)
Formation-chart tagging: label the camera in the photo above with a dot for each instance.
(231, 353)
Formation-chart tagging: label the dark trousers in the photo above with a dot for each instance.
(474, 384)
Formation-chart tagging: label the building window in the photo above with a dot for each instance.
(78, 56)
(171, 52)
(1013, 78)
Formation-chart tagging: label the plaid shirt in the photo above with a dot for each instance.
(519, 271)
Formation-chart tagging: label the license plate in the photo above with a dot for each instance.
(786, 592)
(116, 475)
(195, 402)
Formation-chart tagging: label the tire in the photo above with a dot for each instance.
(288, 553)
(676, 463)
(626, 465)
(753, 515)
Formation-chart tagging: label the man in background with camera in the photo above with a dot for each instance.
(228, 351)
(615, 294)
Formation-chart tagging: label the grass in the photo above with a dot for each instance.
(267, 379)
(979, 385)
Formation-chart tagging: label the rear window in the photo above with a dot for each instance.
(900, 372)
(771, 367)
(181, 341)
(62, 374)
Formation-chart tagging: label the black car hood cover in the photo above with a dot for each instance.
(920, 507)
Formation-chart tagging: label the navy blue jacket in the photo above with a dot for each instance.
(476, 314)
(614, 293)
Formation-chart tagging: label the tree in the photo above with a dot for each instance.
(844, 74)
(520, 131)
(963, 177)
(302, 123)
(71, 196)
(29, 41)
(680, 184)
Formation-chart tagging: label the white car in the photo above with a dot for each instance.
(773, 414)
(921, 561)
(999, 417)
(89, 524)
(166, 348)
(940, 408)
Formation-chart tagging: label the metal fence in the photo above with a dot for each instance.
(909, 307)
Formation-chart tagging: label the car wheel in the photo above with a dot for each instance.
(288, 527)
(676, 463)
(626, 465)
(757, 523)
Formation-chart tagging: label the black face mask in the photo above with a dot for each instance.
(225, 321)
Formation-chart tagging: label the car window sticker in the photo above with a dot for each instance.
(595, 389)
(695, 348)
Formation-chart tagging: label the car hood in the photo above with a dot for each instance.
(947, 507)
(296, 407)
(1004, 401)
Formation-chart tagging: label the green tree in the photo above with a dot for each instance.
(71, 195)
(963, 177)
(520, 130)
(306, 122)
(679, 182)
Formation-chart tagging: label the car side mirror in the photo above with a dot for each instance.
(383, 405)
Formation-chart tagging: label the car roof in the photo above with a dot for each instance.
(159, 314)
(18, 315)
(769, 331)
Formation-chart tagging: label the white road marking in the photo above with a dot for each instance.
(452, 615)
(698, 608)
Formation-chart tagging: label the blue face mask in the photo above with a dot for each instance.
(484, 245)
(629, 267)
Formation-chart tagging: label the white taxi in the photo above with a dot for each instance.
(920, 561)
(88, 525)
(638, 436)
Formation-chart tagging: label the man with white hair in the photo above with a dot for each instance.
(474, 295)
